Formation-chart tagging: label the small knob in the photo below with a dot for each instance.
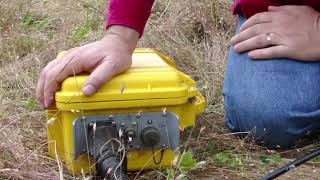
(150, 136)
(131, 133)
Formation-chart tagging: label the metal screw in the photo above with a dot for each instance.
(122, 124)
(134, 123)
(149, 121)
(111, 117)
(163, 145)
(114, 123)
(138, 116)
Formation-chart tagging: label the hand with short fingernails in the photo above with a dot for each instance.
(103, 59)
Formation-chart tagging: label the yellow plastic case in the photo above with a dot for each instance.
(152, 84)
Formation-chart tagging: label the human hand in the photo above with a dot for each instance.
(282, 32)
(104, 59)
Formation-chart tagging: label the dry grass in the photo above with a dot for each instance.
(194, 33)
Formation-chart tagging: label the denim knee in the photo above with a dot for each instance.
(277, 100)
(266, 129)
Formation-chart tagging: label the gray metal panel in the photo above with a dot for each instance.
(166, 123)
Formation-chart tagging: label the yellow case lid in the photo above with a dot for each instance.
(152, 76)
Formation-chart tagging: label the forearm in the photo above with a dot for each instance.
(130, 13)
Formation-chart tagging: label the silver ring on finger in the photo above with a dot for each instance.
(269, 37)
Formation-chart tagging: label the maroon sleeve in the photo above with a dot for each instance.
(250, 7)
(130, 13)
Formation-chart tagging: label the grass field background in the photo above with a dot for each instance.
(194, 33)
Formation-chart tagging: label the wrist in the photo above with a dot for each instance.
(126, 35)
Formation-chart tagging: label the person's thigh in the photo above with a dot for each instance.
(277, 100)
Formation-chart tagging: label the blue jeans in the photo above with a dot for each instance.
(277, 100)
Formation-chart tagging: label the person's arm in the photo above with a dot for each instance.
(131, 13)
(105, 58)
(250, 7)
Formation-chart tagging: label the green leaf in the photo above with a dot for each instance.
(170, 174)
(187, 161)
(6, 155)
(41, 25)
(82, 31)
(27, 20)
(33, 21)
(266, 159)
(230, 159)
(223, 157)
(317, 159)
(31, 103)
(277, 158)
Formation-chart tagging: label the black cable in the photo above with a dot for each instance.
(154, 158)
(292, 165)
(104, 145)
